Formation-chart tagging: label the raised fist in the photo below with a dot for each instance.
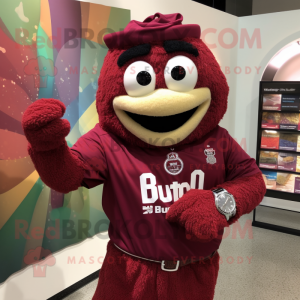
(43, 126)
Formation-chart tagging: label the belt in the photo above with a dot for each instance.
(171, 265)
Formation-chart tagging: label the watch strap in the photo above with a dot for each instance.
(216, 193)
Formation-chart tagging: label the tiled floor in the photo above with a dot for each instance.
(265, 267)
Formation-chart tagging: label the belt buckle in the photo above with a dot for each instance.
(170, 270)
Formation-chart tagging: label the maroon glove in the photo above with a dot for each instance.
(197, 212)
(43, 126)
(57, 166)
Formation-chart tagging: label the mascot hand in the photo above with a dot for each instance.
(197, 213)
(43, 126)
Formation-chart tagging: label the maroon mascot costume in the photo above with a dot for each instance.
(173, 179)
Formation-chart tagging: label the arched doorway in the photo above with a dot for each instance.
(285, 64)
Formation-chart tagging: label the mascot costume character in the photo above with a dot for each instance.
(173, 178)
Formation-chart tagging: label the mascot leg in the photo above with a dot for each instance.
(129, 278)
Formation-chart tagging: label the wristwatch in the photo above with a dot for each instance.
(225, 203)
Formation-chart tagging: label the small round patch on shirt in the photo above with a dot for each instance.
(173, 164)
(210, 156)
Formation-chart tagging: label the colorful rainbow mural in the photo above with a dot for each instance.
(48, 49)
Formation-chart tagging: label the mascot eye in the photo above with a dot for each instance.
(139, 79)
(143, 78)
(181, 74)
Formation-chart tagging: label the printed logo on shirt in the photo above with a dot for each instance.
(151, 192)
(148, 210)
(173, 164)
(210, 156)
(157, 209)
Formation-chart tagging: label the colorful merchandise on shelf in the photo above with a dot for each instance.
(270, 139)
(268, 159)
(298, 164)
(272, 102)
(270, 120)
(287, 161)
(270, 179)
(289, 121)
(285, 182)
(279, 133)
(288, 141)
(297, 185)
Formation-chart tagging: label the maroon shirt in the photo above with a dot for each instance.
(140, 184)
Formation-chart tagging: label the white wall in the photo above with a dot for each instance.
(289, 71)
(277, 30)
(269, 6)
(23, 285)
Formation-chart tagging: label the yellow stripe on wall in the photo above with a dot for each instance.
(10, 200)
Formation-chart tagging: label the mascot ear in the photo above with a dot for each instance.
(133, 53)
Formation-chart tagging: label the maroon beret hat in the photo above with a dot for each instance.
(157, 27)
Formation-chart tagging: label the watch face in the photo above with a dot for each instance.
(226, 203)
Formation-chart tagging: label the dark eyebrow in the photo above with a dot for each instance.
(133, 52)
(173, 45)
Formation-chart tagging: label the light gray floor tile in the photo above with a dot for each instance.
(273, 272)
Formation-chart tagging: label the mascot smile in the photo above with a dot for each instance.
(173, 178)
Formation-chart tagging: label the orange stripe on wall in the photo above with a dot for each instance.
(13, 172)
(85, 14)
(99, 15)
(45, 19)
(11, 200)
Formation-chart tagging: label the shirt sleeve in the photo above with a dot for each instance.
(88, 148)
(238, 163)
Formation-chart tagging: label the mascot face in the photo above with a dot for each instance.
(161, 93)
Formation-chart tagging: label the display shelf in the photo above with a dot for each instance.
(277, 228)
(281, 195)
(273, 227)
(284, 88)
(279, 150)
(281, 171)
(283, 130)
(281, 111)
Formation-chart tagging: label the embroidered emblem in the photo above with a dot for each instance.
(210, 156)
(173, 164)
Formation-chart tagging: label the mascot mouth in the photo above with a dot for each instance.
(162, 124)
(163, 117)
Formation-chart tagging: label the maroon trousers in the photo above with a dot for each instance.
(129, 278)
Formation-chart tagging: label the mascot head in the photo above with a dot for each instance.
(160, 85)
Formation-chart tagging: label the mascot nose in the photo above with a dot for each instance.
(163, 114)
(162, 102)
